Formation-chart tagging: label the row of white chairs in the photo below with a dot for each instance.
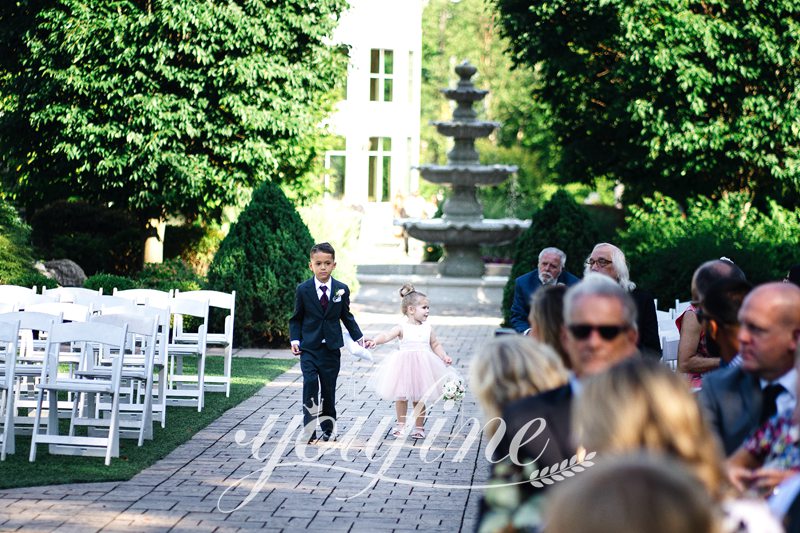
(669, 334)
(114, 387)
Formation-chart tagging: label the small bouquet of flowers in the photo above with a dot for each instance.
(453, 389)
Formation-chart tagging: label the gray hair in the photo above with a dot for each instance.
(596, 284)
(554, 250)
(620, 265)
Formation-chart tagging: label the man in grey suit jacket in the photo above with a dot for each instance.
(738, 400)
(321, 303)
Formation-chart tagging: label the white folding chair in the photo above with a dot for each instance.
(105, 341)
(162, 316)
(69, 312)
(224, 339)
(187, 389)
(9, 334)
(669, 351)
(33, 331)
(135, 416)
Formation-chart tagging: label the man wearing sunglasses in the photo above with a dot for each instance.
(599, 331)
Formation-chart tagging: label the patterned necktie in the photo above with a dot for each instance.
(324, 299)
(769, 404)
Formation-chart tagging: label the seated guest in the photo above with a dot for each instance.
(509, 368)
(642, 406)
(771, 455)
(738, 399)
(693, 356)
(719, 317)
(609, 260)
(600, 331)
(631, 495)
(547, 319)
(550, 271)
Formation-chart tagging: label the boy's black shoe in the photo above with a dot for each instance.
(328, 435)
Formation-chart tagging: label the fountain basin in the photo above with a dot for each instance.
(466, 175)
(465, 129)
(465, 233)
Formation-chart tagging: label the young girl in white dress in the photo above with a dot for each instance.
(416, 371)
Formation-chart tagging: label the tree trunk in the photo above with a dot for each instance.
(154, 245)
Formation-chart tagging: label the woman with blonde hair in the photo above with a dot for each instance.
(511, 367)
(641, 406)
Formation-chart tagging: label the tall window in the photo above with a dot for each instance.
(334, 168)
(380, 169)
(381, 75)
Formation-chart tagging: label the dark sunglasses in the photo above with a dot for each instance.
(582, 331)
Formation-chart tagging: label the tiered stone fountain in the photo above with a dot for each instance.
(462, 228)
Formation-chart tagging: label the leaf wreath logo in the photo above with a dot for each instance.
(560, 471)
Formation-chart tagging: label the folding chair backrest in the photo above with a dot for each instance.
(215, 299)
(145, 296)
(9, 333)
(76, 332)
(25, 301)
(148, 314)
(75, 295)
(11, 293)
(30, 322)
(69, 312)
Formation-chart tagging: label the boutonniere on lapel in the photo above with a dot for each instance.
(338, 296)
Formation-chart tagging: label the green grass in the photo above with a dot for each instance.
(249, 375)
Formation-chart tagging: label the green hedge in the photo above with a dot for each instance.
(263, 258)
(16, 255)
(664, 244)
(562, 223)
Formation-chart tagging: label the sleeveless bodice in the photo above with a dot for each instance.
(416, 337)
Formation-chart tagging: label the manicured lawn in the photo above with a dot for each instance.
(249, 375)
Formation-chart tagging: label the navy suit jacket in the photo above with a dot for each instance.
(731, 400)
(524, 287)
(310, 325)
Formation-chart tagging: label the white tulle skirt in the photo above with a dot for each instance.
(412, 375)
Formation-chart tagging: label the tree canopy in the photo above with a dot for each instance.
(681, 97)
(163, 107)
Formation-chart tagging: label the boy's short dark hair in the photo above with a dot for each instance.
(324, 247)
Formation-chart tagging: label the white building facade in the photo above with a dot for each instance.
(378, 124)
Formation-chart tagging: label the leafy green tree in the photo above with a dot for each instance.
(681, 97)
(162, 107)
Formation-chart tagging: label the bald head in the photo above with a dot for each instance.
(769, 323)
(710, 272)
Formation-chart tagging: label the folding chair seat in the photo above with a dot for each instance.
(9, 334)
(226, 303)
(136, 388)
(106, 342)
(183, 388)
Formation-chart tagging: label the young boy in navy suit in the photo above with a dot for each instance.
(320, 304)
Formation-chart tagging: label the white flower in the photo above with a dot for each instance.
(453, 389)
(337, 297)
(340, 293)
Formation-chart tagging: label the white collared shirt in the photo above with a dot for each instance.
(319, 284)
(786, 400)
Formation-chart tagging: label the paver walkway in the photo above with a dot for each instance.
(246, 471)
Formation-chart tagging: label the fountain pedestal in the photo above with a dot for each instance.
(462, 229)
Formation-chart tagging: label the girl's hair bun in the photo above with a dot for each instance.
(406, 289)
